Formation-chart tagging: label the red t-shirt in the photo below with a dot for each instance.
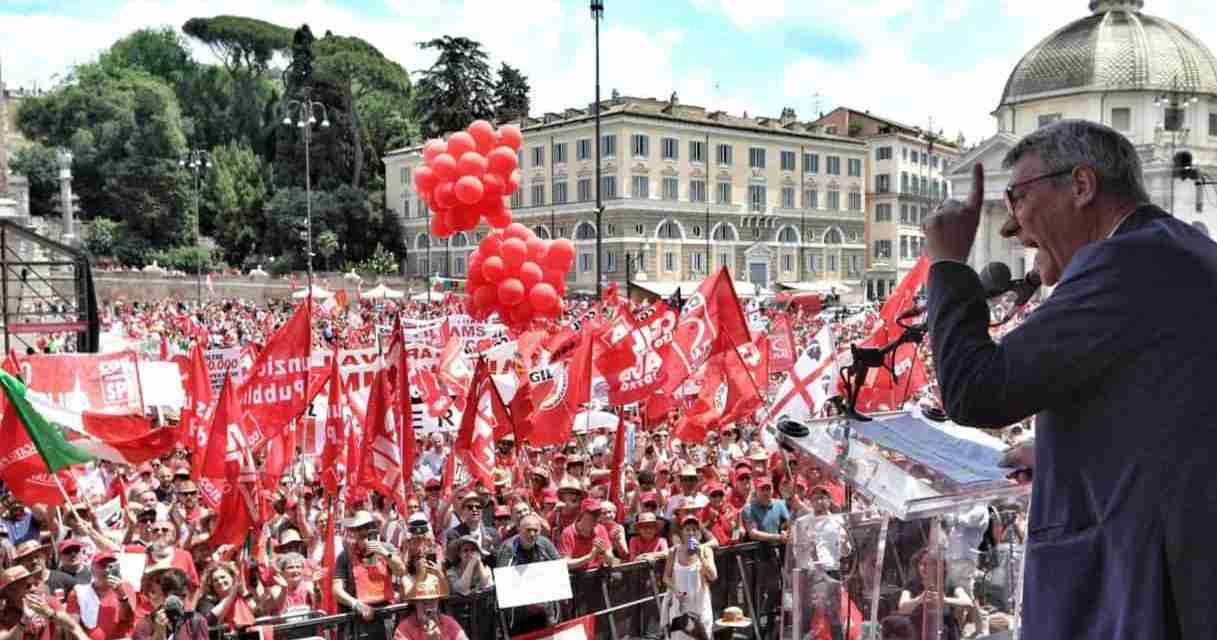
(638, 546)
(573, 545)
(37, 626)
(721, 526)
(109, 622)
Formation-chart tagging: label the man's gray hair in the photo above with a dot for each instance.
(1066, 144)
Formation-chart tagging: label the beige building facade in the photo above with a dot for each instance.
(684, 191)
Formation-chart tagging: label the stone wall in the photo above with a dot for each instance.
(142, 287)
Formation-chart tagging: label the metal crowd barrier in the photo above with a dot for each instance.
(629, 599)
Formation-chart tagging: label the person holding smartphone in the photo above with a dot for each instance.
(364, 572)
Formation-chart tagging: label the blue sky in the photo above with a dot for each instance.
(910, 60)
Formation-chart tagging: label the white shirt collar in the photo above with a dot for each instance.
(1120, 223)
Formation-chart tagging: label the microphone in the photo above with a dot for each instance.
(995, 279)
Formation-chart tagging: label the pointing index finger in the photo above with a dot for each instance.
(977, 198)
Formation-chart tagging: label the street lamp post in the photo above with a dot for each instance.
(305, 112)
(597, 7)
(196, 160)
(1174, 104)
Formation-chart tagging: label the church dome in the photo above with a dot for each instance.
(1116, 48)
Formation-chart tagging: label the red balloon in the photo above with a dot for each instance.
(544, 298)
(530, 274)
(521, 315)
(445, 197)
(444, 166)
(424, 179)
(483, 135)
(433, 148)
(485, 296)
(440, 227)
(509, 134)
(536, 249)
(466, 218)
(513, 183)
(554, 278)
(468, 190)
(517, 230)
(493, 185)
(501, 161)
(498, 218)
(511, 292)
(560, 255)
(490, 245)
(471, 163)
(514, 252)
(460, 143)
(493, 269)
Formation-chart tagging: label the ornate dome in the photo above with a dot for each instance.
(1116, 48)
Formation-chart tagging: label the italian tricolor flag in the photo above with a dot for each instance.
(33, 443)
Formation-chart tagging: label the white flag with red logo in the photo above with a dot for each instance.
(810, 382)
(475, 440)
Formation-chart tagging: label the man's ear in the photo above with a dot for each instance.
(1084, 186)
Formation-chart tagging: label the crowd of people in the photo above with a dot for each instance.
(148, 570)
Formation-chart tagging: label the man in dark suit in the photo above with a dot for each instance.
(471, 506)
(1116, 364)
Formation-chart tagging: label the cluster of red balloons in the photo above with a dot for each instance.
(466, 177)
(518, 275)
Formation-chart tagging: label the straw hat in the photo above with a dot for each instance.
(426, 590)
(13, 575)
(733, 617)
(361, 518)
(27, 548)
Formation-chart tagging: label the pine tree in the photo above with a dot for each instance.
(457, 89)
(511, 99)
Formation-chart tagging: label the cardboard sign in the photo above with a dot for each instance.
(534, 583)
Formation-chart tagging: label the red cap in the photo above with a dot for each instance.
(502, 511)
(591, 505)
(549, 496)
(433, 483)
(102, 556)
(764, 481)
(649, 496)
(70, 543)
(714, 487)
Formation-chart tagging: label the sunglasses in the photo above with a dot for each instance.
(161, 530)
(189, 493)
(473, 507)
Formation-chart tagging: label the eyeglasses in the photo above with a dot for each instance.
(1012, 200)
(188, 493)
(71, 552)
(473, 507)
(161, 530)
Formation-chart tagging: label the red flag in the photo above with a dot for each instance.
(335, 431)
(449, 478)
(782, 347)
(164, 348)
(900, 301)
(380, 467)
(713, 311)
(228, 480)
(192, 430)
(357, 426)
(275, 393)
(632, 362)
(10, 364)
(404, 408)
(880, 391)
(615, 492)
(279, 454)
(328, 561)
(746, 370)
(475, 441)
(558, 392)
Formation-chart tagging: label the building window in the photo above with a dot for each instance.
(883, 249)
(585, 231)
(832, 263)
(787, 161)
(696, 231)
(459, 267)
(608, 146)
(405, 208)
(854, 167)
(834, 200)
(817, 263)
(671, 188)
(925, 211)
(538, 195)
(671, 148)
(811, 199)
(669, 261)
(697, 151)
(725, 153)
(610, 262)
(883, 153)
(904, 247)
(609, 229)
(584, 189)
(883, 183)
(787, 263)
(517, 199)
(405, 176)
(538, 156)
(697, 190)
(560, 153)
(639, 230)
(904, 182)
(788, 235)
(640, 187)
(1213, 124)
(697, 260)
(905, 153)
(608, 187)
(756, 197)
(904, 214)
(756, 157)
(583, 149)
(724, 193)
(724, 260)
(1048, 118)
(883, 212)
(832, 165)
(787, 197)
(809, 262)
(560, 193)
(811, 162)
(520, 157)
(925, 185)
(933, 162)
(585, 262)
(855, 201)
(640, 145)
(669, 231)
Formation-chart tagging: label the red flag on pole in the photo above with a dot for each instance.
(335, 431)
(475, 441)
(559, 391)
(404, 407)
(275, 393)
(615, 491)
(192, 430)
(328, 562)
(381, 468)
(713, 311)
(782, 347)
(228, 480)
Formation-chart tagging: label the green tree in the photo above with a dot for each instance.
(511, 99)
(356, 69)
(381, 262)
(326, 245)
(299, 73)
(125, 131)
(39, 165)
(232, 200)
(101, 237)
(159, 52)
(457, 89)
(246, 47)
